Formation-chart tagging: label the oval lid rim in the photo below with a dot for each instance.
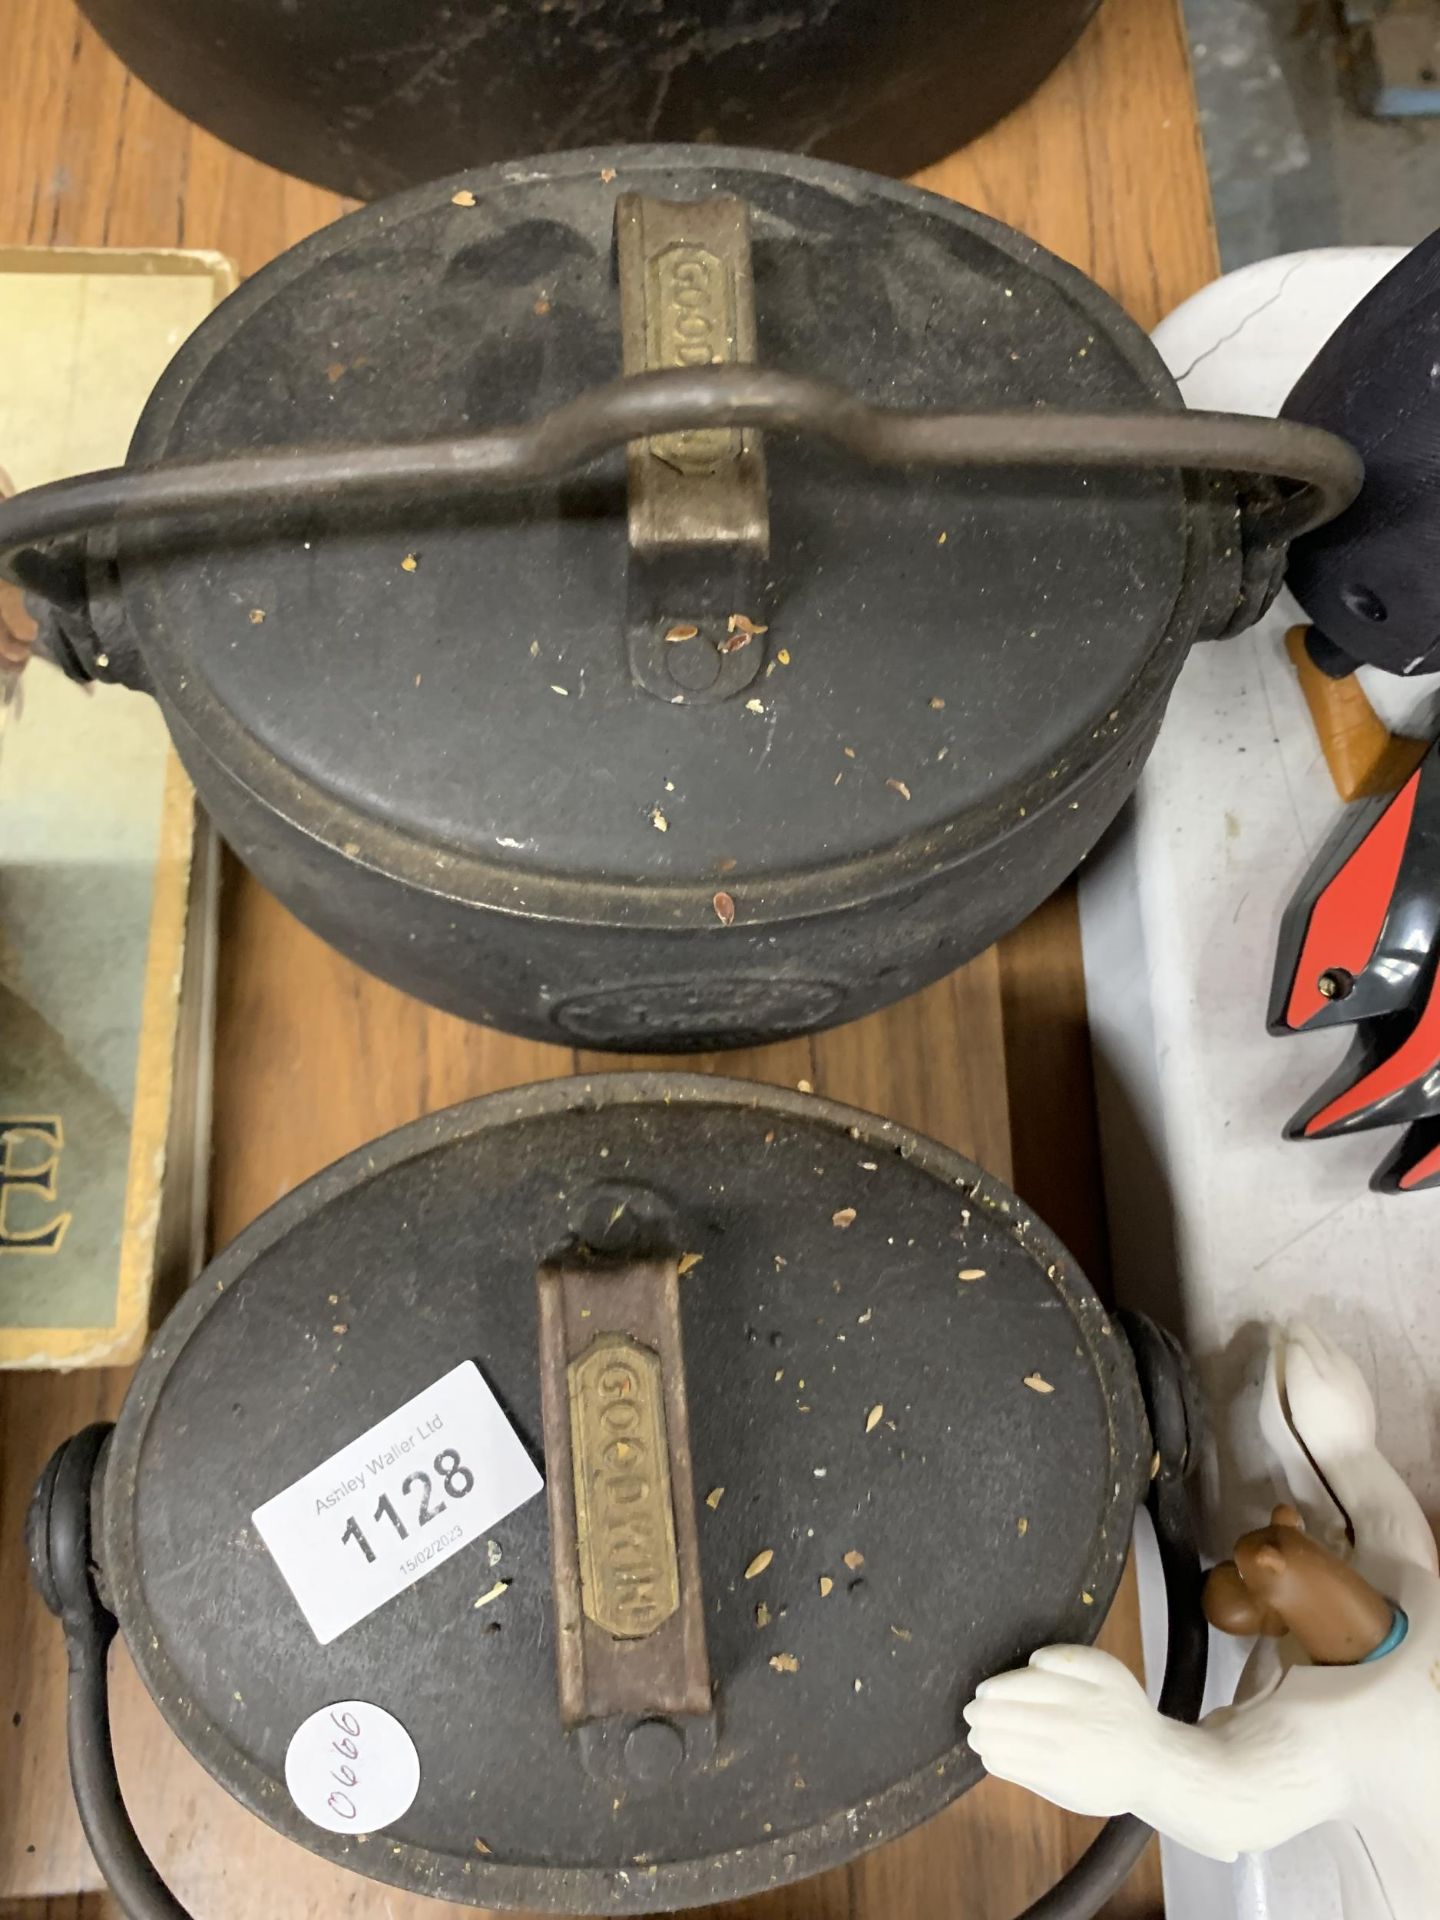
(310, 808)
(580, 1890)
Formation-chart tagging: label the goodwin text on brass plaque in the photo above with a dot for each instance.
(690, 322)
(625, 1523)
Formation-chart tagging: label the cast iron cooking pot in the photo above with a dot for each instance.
(619, 727)
(731, 1644)
(369, 96)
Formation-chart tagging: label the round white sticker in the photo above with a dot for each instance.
(352, 1768)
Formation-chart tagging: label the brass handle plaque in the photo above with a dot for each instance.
(698, 509)
(625, 1553)
(690, 322)
(624, 1519)
(687, 299)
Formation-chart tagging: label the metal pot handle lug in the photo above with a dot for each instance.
(58, 1532)
(61, 1554)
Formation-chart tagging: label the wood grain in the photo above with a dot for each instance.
(62, 1906)
(314, 1058)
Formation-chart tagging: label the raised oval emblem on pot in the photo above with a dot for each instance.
(813, 651)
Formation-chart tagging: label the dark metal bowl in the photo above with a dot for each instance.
(369, 96)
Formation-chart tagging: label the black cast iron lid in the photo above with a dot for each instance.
(992, 1516)
(942, 646)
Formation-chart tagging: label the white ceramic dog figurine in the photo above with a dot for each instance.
(1304, 1743)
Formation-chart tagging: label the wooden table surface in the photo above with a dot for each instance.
(313, 1058)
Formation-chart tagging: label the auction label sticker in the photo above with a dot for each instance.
(391, 1506)
(352, 1768)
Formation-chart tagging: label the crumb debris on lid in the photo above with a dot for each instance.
(564, 692)
(682, 630)
(843, 1217)
(754, 706)
(714, 1497)
(607, 174)
(854, 1559)
(257, 616)
(1022, 1526)
(1088, 1599)
(410, 562)
(972, 1273)
(724, 906)
(827, 1586)
(761, 1561)
(659, 821)
(874, 1417)
(899, 786)
(762, 1615)
(1037, 1383)
(784, 1663)
(804, 1086)
(483, 1846)
(464, 198)
(492, 1593)
(742, 623)
(936, 703)
(687, 1263)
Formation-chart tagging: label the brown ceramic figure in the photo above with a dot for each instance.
(1281, 1581)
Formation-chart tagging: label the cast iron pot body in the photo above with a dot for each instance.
(370, 96)
(424, 737)
(988, 1517)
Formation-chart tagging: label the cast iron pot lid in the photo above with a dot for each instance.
(845, 1265)
(943, 649)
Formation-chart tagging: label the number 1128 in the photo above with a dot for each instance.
(455, 1477)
